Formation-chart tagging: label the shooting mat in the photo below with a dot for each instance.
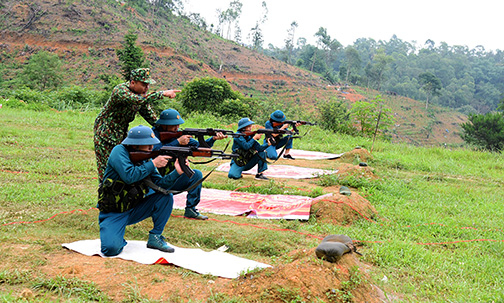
(216, 263)
(313, 155)
(284, 171)
(224, 202)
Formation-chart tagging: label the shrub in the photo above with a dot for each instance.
(206, 94)
(334, 116)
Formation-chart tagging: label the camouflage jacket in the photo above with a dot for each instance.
(113, 120)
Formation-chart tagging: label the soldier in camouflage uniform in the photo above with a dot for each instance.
(127, 99)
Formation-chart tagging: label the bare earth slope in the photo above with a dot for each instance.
(85, 35)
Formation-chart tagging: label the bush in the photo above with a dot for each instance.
(68, 98)
(234, 109)
(28, 95)
(16, 103)
(76, 97)
(334, 116)
(206, 94)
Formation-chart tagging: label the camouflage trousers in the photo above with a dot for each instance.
(102, 152)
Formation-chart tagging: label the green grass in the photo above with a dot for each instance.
(438, 235)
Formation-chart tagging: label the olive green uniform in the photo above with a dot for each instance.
(111, 125)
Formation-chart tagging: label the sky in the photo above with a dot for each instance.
(457, 22)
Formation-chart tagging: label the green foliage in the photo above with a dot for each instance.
(67, 98)
(234, 109)
(110, 81)
(431, 85)
(485, 131)
(372, 115)
(130, 56)
(207, 94)
(334, 116)
(43, 71)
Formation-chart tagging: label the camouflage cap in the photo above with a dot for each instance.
(142, 75)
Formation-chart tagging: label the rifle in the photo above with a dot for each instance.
(293, 124)
(181, 153)
(199, 133)
(268, 133)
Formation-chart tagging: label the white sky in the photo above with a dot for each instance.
(456, 22)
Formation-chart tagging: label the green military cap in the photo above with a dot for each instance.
(142, 75)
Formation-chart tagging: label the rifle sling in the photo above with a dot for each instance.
(158, 188)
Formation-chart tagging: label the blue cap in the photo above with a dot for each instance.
(140, 135)
(244, 122)
(169, 117)
(278, 116)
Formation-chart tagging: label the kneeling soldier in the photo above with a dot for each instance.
(170, 121)
(125, 199)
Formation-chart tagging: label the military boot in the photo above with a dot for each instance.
(158, 242)
(192, 213)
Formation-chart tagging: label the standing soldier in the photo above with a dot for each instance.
(127, 99)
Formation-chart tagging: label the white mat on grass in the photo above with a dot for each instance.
(313, 155)
(283, 171)
(215, 262)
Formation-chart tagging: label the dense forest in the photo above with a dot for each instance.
(469, 80)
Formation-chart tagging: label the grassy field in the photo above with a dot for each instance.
(437, 237)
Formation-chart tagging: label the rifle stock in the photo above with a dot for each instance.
(181, 153)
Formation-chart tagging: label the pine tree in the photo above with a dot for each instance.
(131, 56)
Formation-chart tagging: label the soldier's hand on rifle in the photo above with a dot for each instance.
(178, 168)
(171, 93)
(257, 136)
(161, 161)
(269, 141)
(219, 136)
(184, 140)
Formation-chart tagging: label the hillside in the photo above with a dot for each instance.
(85, 35)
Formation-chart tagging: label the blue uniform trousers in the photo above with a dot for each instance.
(235, 171)
(271, 152)
(113, 225)
(183, 182)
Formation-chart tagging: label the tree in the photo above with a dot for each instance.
(485, 131)
(328, 45)
(130, 56)
(289, 42)
(377, 67)
(43, 71)
(230, 16)
(256, 33)
(353, 62)
(373, 116)
(431, 85)
(257, 37)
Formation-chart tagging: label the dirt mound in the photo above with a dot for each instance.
(341, 209)
(305, 277)
(357, 154)
(310, 279)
